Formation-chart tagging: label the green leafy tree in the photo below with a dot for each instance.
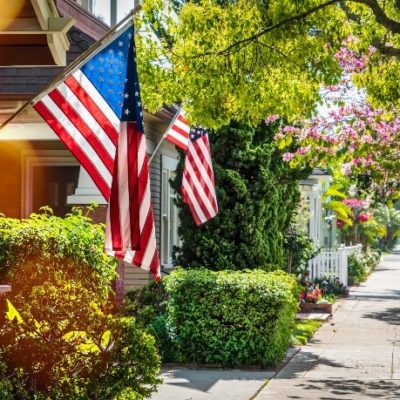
(257, 197)
(245, 59)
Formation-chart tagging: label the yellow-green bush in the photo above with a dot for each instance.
(61, 338)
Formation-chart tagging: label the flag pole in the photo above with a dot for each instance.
(74, 65)
(164, 136)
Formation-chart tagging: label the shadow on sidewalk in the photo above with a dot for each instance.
(305, 361)
(347, 389)
(390, 316)
(204, 379)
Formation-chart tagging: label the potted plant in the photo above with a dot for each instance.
(311, 301)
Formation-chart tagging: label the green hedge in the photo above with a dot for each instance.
(231, 318)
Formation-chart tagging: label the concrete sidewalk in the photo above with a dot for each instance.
(357, 354)
(210, 384)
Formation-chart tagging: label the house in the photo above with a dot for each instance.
(332, 260)
(322, 223)
(36, 168)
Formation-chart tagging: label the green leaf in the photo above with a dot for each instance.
(105, 339)
(331, 192)
(13, 313)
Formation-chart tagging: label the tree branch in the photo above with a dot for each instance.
(380, 15)
(387, 50)
(262, 32)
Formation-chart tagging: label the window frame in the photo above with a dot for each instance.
(31, 159)
(168, 209)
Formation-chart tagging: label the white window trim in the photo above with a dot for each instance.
(170, 164)
(30, 159)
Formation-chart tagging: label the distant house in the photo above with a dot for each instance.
(36, 169)
(322, 223)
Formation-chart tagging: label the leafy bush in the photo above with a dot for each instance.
(257, 195)
(231, 318)
(148, 305)
(299, 250)
(361, 265)
(59, 338)
(357, 269)
(5, 384)
(37, 248)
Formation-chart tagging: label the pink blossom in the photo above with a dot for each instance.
(290, 129)
(303, 150)
(272, 118)
(363, 217)
(287, 156)
(355, 203)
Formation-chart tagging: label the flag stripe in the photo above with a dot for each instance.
(85, 155)
(190, 198)
(86, 117)
(201, 172)
(146, 256)
(89, 103)
(177, 141)
(199, 189)
(82, 127)
(178, 132)
(101, 105)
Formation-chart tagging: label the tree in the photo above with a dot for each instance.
(245, 59)
(257, 195)
(390, 219)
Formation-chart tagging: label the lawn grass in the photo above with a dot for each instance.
(304, 331)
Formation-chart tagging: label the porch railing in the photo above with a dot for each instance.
(333, 263)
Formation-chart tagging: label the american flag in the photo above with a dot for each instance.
(198, 187)
(178, 131)
(96, 111)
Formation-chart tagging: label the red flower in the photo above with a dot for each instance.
(363, 217)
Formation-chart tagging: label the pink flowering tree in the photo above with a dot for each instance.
(351, 139)
(361, 217)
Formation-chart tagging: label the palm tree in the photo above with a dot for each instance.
(389, 218)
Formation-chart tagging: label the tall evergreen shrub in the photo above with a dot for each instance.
(257, 196)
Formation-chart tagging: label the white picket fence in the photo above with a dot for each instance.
(333, 263)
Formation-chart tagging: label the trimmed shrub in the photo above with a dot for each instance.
(61, 338)
(300, 249)
(231, 318)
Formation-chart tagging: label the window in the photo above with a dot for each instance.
(48, 178)
(86, 4)
(169, 212)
